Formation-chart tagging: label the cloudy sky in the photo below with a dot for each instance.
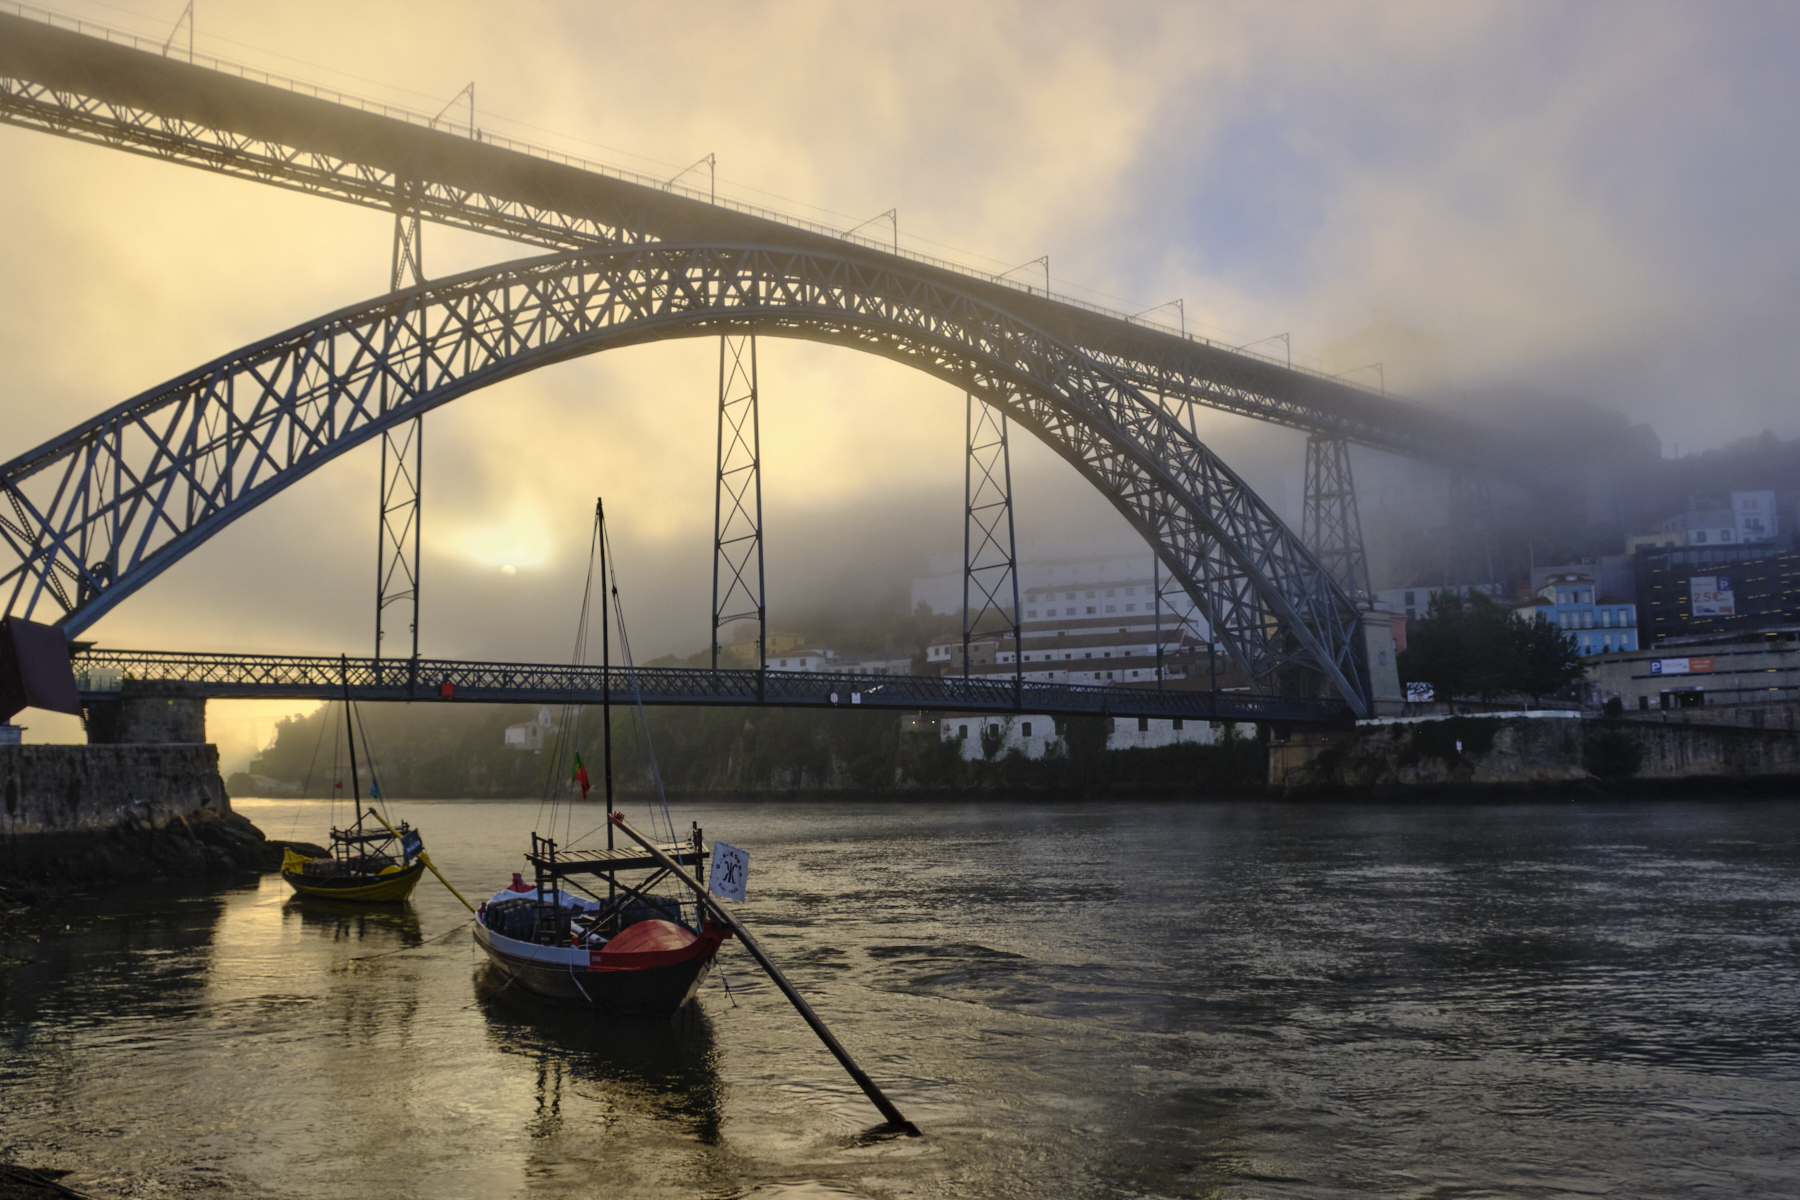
(1591, 199)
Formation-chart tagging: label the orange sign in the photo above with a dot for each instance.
(1697, 665)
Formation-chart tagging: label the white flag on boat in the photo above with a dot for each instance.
(730, 871)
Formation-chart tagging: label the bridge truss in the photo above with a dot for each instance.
(217, 116)
(101, 510)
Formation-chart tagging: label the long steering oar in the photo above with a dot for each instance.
(863, 1081)
(426, 859)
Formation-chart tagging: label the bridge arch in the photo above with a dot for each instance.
(101, 510)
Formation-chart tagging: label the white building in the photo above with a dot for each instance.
(530, 735)
(876, 666)
(1097, 632)
(802, 660)
(1724, 519)
(1150, 733)
(1035, 736)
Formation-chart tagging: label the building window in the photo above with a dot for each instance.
(1176, 724)
(1131, 591)
(1031, 612)
(1090, 595)
(1143, 724)
(1606, 618)
(994, 730)
(1131, 608)
(962, 731)
(1410, 600)
(1090, 610)
(1110, 593)
(1643, 704)
(1068, 595)
(1069, 613)
(1089, 654)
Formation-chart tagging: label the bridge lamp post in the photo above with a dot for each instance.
(1179, 305)
(1035, 262)
(711, 163)
(892, 214)
(1284, 340)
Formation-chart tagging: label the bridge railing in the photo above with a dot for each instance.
(485, 137)
(100, 672)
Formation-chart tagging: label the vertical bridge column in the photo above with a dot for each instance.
(737, 502)
(990, 564)
(1331, 526)
(402, 454)
(1333, 530)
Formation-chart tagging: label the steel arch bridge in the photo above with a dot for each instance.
(98, 512)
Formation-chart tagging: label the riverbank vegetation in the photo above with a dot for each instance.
(455, 751)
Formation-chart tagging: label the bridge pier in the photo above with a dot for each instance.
(149, 711)
(1386, 697)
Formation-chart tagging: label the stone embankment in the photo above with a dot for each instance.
(1536, 753)
(88, 814)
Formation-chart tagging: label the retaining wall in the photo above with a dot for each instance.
(1531, 752)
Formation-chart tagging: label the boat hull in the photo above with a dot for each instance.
(658, 987)
(395, 887)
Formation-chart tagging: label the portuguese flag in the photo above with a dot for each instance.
(581, 775)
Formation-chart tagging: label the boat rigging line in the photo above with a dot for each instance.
(706, 901)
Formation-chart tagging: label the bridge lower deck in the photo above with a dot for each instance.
(100, 673)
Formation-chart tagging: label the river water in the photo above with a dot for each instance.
(1112, 1000)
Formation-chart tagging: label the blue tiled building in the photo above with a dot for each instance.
(1596, 624)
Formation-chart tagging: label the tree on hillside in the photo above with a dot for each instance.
(1547, 662)
(1467, 645)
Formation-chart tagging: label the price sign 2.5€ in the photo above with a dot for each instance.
(730, 871)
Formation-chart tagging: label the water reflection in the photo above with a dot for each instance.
(659, 1069)
(347, 921)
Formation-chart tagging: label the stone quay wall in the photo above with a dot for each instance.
(1525, 753)
(95, 814)
(65, 789)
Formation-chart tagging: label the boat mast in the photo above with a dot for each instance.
(350, 736)
(605, 675)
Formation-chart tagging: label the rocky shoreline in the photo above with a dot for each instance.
(206, 845)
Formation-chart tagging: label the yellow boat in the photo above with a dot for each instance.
(368, 862)
(379, 867)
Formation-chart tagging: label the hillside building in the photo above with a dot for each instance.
(1097, 633)
(1597, 622)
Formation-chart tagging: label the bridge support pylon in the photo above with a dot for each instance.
(402, 454)
(1331, 526)
(990, 552)
(737, 502)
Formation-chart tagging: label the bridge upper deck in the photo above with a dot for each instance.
(277, 131)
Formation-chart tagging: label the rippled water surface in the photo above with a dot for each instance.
(1219, 1000)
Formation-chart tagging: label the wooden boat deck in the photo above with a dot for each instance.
(605, 862)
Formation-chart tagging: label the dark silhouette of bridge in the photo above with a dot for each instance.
(99, 674)
(98, 512)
